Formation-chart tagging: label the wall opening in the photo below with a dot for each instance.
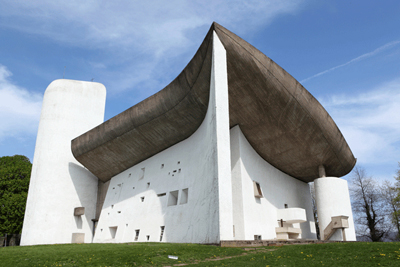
(162, 166)
(173, 198)
(137, 231)
(257, 190)
(141, 176)
(148, 185)
(113, 231)
(148, 237)
(162, 232)
(286, 206)
(142, 199)
(161, 195)
(257, 237)
(184, 196)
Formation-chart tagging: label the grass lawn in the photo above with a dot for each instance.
(156, 254)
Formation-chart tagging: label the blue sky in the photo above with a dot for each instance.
(346, 53)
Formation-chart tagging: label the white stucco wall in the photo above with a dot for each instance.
(200, 164)
(258, 216)
(333, 199)
(58, 182)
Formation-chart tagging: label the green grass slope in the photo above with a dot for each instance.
(156, 254)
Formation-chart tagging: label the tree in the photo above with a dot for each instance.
(15, 174)
(389, 193)
(396, 203)
(369, 206)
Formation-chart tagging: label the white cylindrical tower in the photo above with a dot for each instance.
(59, 184)
(333, 199)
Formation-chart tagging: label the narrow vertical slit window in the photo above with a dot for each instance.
(162, 232)
(141, 176)
(137, 231)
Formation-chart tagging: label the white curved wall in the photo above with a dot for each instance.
(333, 199)
(259, 216)
(58, 182)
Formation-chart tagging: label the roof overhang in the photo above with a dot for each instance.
(282, 121)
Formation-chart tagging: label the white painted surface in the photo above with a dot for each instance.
(333, 199)
(219, 87)
(292, 215)
(199, 165)
(258, 216)
(58, 182)
(200, 190)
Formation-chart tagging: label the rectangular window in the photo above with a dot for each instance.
(113, 231)
(184, 196)
(173, 198)
(137, 234)
(257, 190)
(162, 232)
(257, 237)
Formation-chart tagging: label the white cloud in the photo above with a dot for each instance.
(155, 25)
(137, 34)
(370, 122)
(19, 109)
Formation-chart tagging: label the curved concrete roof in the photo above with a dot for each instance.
(283, 122)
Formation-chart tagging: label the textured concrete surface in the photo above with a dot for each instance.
(283, 122)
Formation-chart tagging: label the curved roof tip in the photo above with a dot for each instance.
(284, 123)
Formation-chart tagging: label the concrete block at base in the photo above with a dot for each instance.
(78, 238)
(340, 221)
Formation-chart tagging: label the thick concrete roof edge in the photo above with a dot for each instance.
(260, 91)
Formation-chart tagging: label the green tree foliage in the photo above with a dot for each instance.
(15, 173)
